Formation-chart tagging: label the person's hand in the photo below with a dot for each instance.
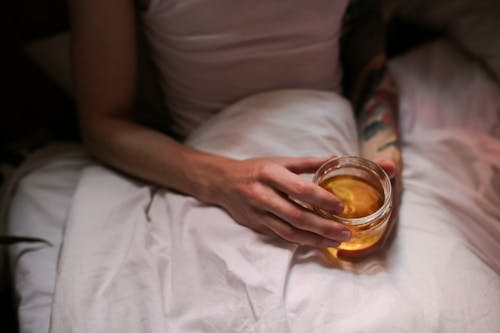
(256, 193)
(392, 165)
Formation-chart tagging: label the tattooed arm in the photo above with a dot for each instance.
(369, 85)
(373, 93)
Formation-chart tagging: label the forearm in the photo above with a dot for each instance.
(368, 83)
(151, 156)
(104, 60)
(377, 119)
(255, 192)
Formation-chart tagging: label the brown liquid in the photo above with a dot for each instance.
(360, 199)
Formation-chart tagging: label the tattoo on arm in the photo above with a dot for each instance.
(376, 115)
(394, 143)
(366, 80)
(372, 129)
(370, 84)
(378, 107)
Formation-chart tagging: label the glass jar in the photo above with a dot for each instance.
(365, 190)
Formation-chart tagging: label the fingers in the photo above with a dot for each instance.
(388, 166)
(303, 220)
(265, 190)
(269, 224)
(389, 159)
(302, 164)
(297, 236)
(268, 194)
(265, 222)
(289, 220)
(297, 187)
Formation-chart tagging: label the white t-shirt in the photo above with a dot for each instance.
(211, 53)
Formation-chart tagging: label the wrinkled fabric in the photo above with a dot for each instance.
(136, 258)
(140, 259)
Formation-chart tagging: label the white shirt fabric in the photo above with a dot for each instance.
(211, 54)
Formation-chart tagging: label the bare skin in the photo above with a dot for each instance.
(254, 191)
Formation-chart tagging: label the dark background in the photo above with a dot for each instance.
(33, 110)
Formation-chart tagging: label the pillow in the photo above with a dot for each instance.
(474, 25)
(292, 122)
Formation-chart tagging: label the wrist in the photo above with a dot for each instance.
(389, 157)
(204, 175)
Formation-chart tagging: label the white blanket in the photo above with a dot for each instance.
(141, 259)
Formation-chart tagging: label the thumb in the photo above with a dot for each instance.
(388, 166)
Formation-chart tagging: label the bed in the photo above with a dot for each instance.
(115, 265)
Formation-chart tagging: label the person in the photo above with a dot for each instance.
(192, 43)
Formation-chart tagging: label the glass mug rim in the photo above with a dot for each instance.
(360, 163)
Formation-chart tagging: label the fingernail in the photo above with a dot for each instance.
(333, 244)
(338, 208)
(345, 235)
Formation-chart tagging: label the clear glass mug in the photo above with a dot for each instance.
(366, 191)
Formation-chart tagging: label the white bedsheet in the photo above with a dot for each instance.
(140, 259)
